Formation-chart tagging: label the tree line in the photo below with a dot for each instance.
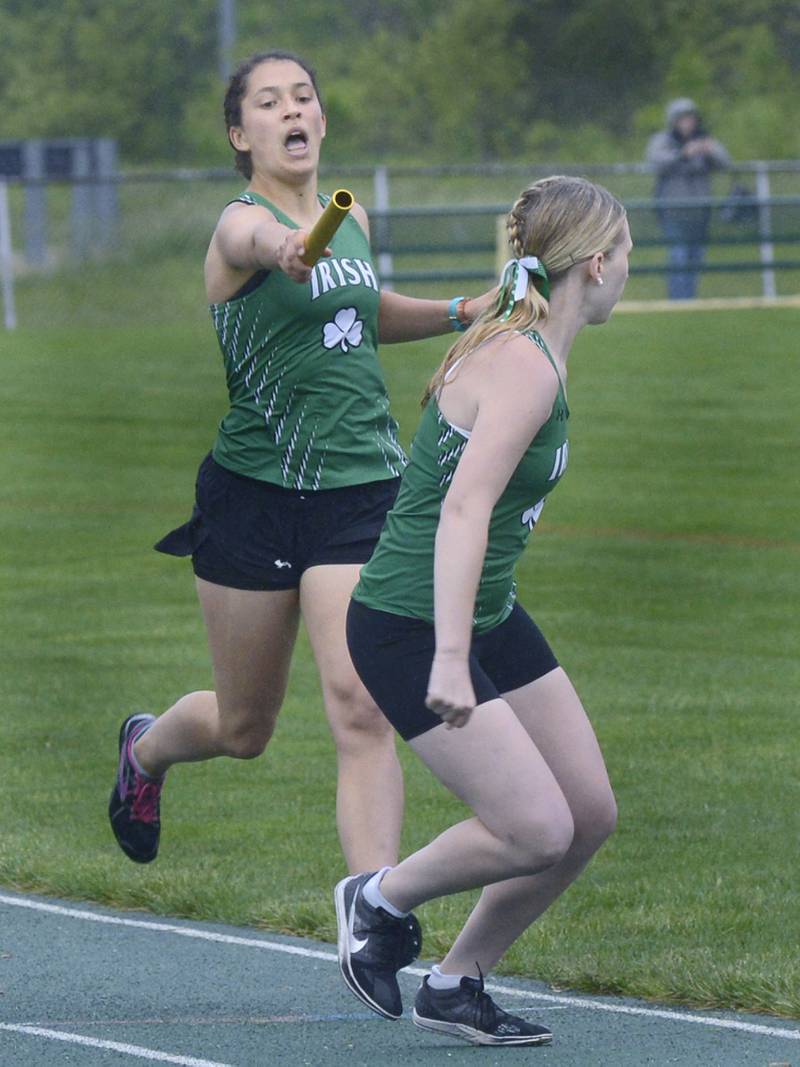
(458, 81)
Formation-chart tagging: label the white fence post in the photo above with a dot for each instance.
(381, 196)
(83, 214)
(226, 36)
(6, 261)
(767, 249)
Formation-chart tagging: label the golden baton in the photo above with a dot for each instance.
(326, 225)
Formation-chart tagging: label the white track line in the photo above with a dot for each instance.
(510, 991)
(113, 1046)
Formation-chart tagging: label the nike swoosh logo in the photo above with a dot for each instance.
(353, 943)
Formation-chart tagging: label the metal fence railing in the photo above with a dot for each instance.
(430, 225)
(753, 224)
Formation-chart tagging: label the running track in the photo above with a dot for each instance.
(88, 986)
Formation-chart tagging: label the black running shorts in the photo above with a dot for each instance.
(393, 655)
(249, 534)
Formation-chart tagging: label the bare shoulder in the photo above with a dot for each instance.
(232, 240)
(230, 259)
(240, 215)
(513, 365)
(511, 389)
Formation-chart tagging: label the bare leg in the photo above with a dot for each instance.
(523, 823)
(369, 802)
(551, 712)
(251, 636)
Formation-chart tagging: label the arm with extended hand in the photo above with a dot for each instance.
(409, 318)
(250, 238)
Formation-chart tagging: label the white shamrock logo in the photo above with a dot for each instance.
(345, 330)
(530, 517)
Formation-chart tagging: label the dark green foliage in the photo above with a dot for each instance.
(462, 80)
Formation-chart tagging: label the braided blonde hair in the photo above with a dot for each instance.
(561, 220)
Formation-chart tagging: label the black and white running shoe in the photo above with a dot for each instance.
(134, 805)
(471, 1014)
(373, 947)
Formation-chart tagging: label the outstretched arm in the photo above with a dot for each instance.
(514, 401)
(409, 318)
(249, 238)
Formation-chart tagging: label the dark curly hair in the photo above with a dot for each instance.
(237, 88)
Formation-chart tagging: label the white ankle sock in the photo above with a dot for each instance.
(373, 895)
(437, 980)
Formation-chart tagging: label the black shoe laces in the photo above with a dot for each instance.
(484, 1010)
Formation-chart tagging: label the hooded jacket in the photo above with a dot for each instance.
(679, 177)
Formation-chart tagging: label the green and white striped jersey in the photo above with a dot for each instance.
(399, 576)
(308, 402)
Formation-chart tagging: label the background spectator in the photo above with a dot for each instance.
(684, 157)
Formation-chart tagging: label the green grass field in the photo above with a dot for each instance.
(666, 573)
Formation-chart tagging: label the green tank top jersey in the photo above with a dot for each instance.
(399, 577)
(308, 402)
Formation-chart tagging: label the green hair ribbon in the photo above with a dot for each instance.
(516, 276)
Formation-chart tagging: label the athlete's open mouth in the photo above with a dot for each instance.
(296, 142)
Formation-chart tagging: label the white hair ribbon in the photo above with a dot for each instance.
(521, 271)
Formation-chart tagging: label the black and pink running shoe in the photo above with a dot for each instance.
(134, 805)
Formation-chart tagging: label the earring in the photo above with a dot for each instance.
(599, 281)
